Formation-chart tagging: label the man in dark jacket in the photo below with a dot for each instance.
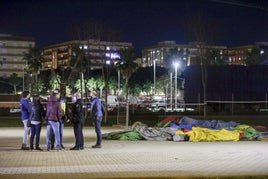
(25, 108)
(53, 115)
(78, 121)
(97, 110)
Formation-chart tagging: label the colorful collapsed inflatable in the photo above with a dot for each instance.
(193, 130)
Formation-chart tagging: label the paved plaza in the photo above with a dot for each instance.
(131, 159)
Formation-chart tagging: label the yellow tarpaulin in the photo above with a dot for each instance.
(204, 134)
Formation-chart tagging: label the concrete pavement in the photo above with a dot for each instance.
(132, 159)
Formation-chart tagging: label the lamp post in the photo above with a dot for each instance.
(176, 64)
(155, 76)
(118, 81)
(171, 91)
(118, 91)
(108, 63)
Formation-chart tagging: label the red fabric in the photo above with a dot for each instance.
(169, 119)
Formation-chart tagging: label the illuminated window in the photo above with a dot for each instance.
(85, 47)
(108, 48)
(115, 56)
(107, 54)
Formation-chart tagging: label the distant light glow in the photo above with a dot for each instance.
(113, 55)
(176, 64)
(108, 62)
(107, 54)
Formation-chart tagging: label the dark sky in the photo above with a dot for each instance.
(142, 22)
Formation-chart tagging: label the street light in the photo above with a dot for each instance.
(171, 91)
(155, 76)
(118, 81)
(176, 64)
(118, 91)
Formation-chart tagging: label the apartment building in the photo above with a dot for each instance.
(189, 53)
(59, 55)
(237, 55)
(12, 51)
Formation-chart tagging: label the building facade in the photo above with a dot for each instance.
(189, 54)
(237, 55)
(98, 52)
(12, 51)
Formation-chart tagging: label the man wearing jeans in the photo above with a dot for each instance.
(97, 114)
(53, 115)
(25, 115)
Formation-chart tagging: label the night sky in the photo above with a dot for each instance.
(142, 22)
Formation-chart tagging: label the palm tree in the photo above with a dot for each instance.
(34, 59)
(127, 67)
(15, 81)
(112, 84)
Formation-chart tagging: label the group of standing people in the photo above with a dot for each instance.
(55, 113)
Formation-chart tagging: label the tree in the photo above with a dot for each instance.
(100, 84)
(77, 66)
(15, 81)
(78, 61)
(127, 67)
(112, 83)
(34, 59)
(92, 84)
(202, 29)
(54, 81)
(147, 87)
(90, 30)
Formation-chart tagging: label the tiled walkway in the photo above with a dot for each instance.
(132, 159)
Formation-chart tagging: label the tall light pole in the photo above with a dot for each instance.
(118, 91)
(155, 76)
(118, 81)
(176, 64)
(171, 91)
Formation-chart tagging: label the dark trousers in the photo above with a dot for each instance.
(35, 132)
(97, 123)
(78, 133)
